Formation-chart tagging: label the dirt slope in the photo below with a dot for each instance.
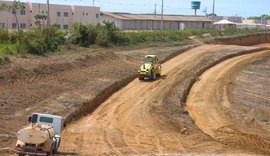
(209, 105)
(148, 117)
(62, 84)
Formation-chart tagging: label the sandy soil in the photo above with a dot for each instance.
(145, 117)
(62, 84)
(148, 117)
(208, 104)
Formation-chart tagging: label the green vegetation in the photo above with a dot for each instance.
(262, 17)
(39, 41)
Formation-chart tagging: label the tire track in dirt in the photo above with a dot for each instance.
(208, 100)
(134, 121)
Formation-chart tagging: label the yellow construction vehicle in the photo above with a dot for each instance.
(151, 68)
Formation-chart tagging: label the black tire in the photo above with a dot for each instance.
(51, 151)
(153, 75)
(158, 75)
(141, 78)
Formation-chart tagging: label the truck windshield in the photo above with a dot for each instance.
(46, 119)
(148, 59)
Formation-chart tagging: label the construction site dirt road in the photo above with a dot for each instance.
(153, 117)
(210, 99)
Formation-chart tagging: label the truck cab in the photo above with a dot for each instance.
(55, 121)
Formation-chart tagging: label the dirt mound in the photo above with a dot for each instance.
(209, 106)
(245, 40)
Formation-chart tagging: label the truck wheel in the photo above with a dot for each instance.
(140, 78)
(51, 150)
(158, 75)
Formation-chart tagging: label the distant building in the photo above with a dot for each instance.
(258, 21)
(64, 16)
(236, 19)
(126, 21)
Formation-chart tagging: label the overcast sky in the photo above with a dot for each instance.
(244, 8)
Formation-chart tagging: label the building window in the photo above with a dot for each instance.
(13, 12)
(58, 14)
(30, 11)
(42, 12)
(83, 14)
(65, 14)
(22, 25)
(58, 26)
(86, 14)
(14, 25)
(65, 26)
(2, 25)
(31, 25)
(22, 12)
(97, 15)
(72, 13)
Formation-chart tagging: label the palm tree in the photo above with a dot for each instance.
(39, 17)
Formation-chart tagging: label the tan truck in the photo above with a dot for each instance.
(41, 137)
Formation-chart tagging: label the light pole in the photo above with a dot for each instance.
(155, 11)
(49, 20)
(213, 11)
(93, 2)
(162, 15)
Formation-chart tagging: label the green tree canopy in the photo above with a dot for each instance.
(263, 17)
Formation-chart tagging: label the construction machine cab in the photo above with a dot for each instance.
(150, 59)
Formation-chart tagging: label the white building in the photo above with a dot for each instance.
(64, 16)
(126, 21)
(235, 19)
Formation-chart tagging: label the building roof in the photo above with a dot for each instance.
(128, 16)
(224, 22)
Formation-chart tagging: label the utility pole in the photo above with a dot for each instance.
(205, 11)
(155, 11)
(213, 12)
(162, 15)
(48, 18)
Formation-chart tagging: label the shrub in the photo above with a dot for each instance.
(3, 36)
(84, 35)
(103, 38)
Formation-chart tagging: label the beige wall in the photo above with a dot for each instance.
(153, 24)
(75, 14)
(7, 19)
(86, 15)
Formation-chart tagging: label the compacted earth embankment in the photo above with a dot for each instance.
(70, 85)
(150, 117)
(230, 102)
